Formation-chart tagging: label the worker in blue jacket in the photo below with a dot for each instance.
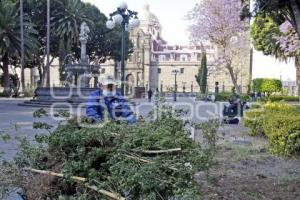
(107, 98)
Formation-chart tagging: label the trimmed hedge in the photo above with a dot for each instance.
(279, 107)
(225, 96)
(266, 85)
(253, 119)
(283, 98)
(283, 133)
(280, 123)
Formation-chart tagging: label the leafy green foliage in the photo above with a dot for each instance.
(202, 74)
(266, 85)
(283, 98)
(280, 124)
(263, 32)
(280, 11)
(253, 119)
(113, 158)
(62, 113)
(10, 40)
(282, 129)
(12, 77)
(225, 96)
(9, 178)
(66, 17)
(271, 85)
(40, 113)
(41, 125)
(257, 84)
(4, 136)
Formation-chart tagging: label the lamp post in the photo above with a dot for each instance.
(175, 72)
(48, 45)
(128, 20)
(22, 46)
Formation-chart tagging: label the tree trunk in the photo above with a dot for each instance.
(296, 11)
(297, 65)
(22, 48)
(44, 75)
(40, 76)
(6, 74)
(234, 79)
(116, 69)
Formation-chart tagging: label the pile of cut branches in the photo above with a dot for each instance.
(149, 160)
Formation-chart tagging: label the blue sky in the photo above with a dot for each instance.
(171, 14)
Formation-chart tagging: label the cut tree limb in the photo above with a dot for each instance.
(157, 151)
(138, 159)
(75, 178)
(146, 161)
(81, 180)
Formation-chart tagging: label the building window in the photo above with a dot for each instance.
(103, 71)
(198, 57)
(158, 70)
(167, 57)
(162, 57)
(181, 70)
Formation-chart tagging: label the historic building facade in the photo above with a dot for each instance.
(153, 60)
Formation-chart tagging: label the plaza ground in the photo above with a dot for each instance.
(243, 168)
(17, 121)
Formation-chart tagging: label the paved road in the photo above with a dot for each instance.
(16, 121)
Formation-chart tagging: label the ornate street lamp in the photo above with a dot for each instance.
(128, 20)
(175, 72)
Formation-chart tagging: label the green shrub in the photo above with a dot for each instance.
(253, 119)
(225, 96)
(270, 86)
(266, 85)
(283, 133)
(279, 107)
(4, 94)
(256, 105)
(283, 98)
(245, 97)
(114, 157)
(256, 84)
(280, 123)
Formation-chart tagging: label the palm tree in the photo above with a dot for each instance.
(67, 17)
(10, 38)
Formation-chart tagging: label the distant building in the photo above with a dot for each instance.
(153, 60)
(290, 87)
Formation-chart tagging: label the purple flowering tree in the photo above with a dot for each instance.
(219, 22)
(288, 40)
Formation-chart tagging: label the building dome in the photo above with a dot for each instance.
(147, 16)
